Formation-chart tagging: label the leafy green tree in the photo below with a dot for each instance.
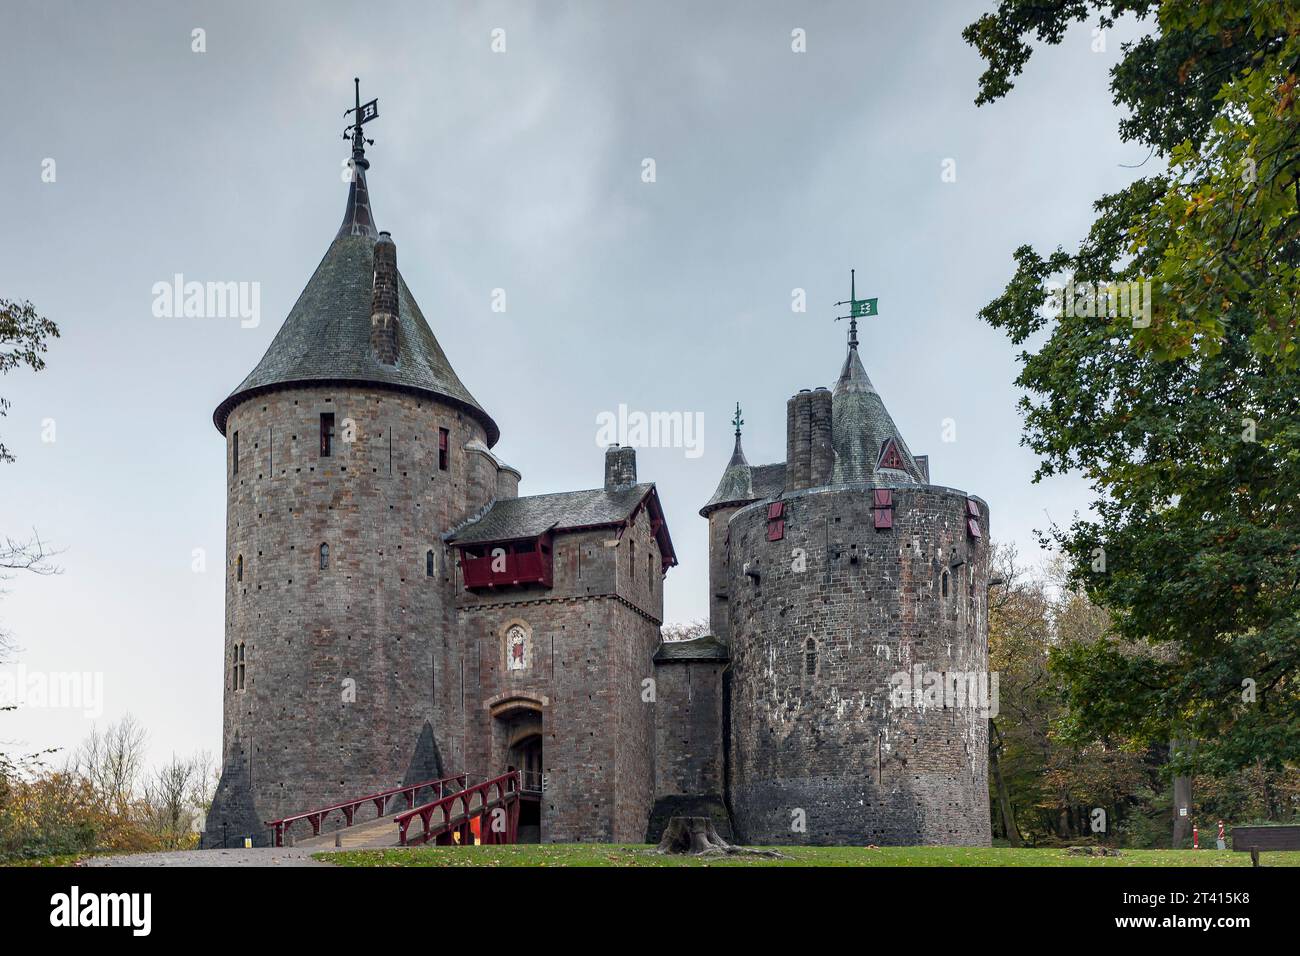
(1188, 428)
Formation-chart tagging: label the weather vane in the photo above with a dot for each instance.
(858, 308)
(737, 420)
(363, 113)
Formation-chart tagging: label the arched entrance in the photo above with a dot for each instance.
(517, 738)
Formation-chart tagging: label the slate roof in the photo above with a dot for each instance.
(326, 337)
(511, 518)
(707, 648)
(860, 425)
(736, 486)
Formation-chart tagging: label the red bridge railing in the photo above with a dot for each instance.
(458, 810)
(317, 817)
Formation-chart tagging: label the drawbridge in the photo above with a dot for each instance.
(448, 811)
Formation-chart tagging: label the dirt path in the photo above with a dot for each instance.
(258, 856)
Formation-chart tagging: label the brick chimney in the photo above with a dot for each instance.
(620, 467)
(383, 301)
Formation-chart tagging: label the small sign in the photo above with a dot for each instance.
(248, 843)
(367, 111)
(1182, 811)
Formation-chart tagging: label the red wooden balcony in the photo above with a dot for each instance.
(507, 564)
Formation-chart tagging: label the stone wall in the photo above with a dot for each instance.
(346, 666)
(819, 752)
(590, 641)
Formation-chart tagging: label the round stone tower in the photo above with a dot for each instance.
(350, 452)
(856, 609)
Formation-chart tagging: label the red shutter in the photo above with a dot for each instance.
(776, 521)
(883, 499)
(973, 518)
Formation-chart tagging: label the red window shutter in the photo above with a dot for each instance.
(442, 439)
(776, 530)
(973, 528)
(883, 499)
(775, 510)
(972, 508)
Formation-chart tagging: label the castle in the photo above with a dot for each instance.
(396, 612)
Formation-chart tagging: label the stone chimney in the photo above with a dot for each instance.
(383, 301)
(620, 467)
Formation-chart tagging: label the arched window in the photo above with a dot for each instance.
(428, 563)
(324, 557)
(810, 657)
(945, 583)
(237, 667)
(239, 568)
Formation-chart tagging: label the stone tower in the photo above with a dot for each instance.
(351, 450)
(852, 593)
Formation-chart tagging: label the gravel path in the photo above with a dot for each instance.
(258, 856)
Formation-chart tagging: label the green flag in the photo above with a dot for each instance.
(864, 307)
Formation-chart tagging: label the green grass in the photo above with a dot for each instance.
(593, 854)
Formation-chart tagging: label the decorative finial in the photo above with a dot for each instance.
(364, 113)
(857, 308)
(737, 420)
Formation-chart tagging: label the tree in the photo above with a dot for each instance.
(1188, 428)
(686, 631)
(24, 336)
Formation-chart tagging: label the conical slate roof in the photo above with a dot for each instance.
(737, 484)
(326, 338)
(860, 427)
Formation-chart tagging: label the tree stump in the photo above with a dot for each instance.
(696, 836)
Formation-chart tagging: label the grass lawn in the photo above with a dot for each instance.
(594, 854)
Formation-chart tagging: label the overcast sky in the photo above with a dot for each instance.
(518, 170)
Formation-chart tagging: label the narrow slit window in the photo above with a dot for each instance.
(428, 563)
(239, 568)
(810, 657)
(234, 451)
(945, 584)
(326, 434)
(444, 448)
(631, 557)
(237, 667)
(324, 557)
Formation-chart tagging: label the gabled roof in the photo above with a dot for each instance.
(510, 519)
(326, 338)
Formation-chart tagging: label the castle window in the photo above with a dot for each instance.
(631, 557)
(650, 572)
(444, 448)
(428, 563)
(973, 518)
(234, 451)
(945, 584)
(810, 657)
(326, 434)
(237, 667)
(239, 568)
(324, 557)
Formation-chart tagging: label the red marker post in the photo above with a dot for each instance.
(1195, 845)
